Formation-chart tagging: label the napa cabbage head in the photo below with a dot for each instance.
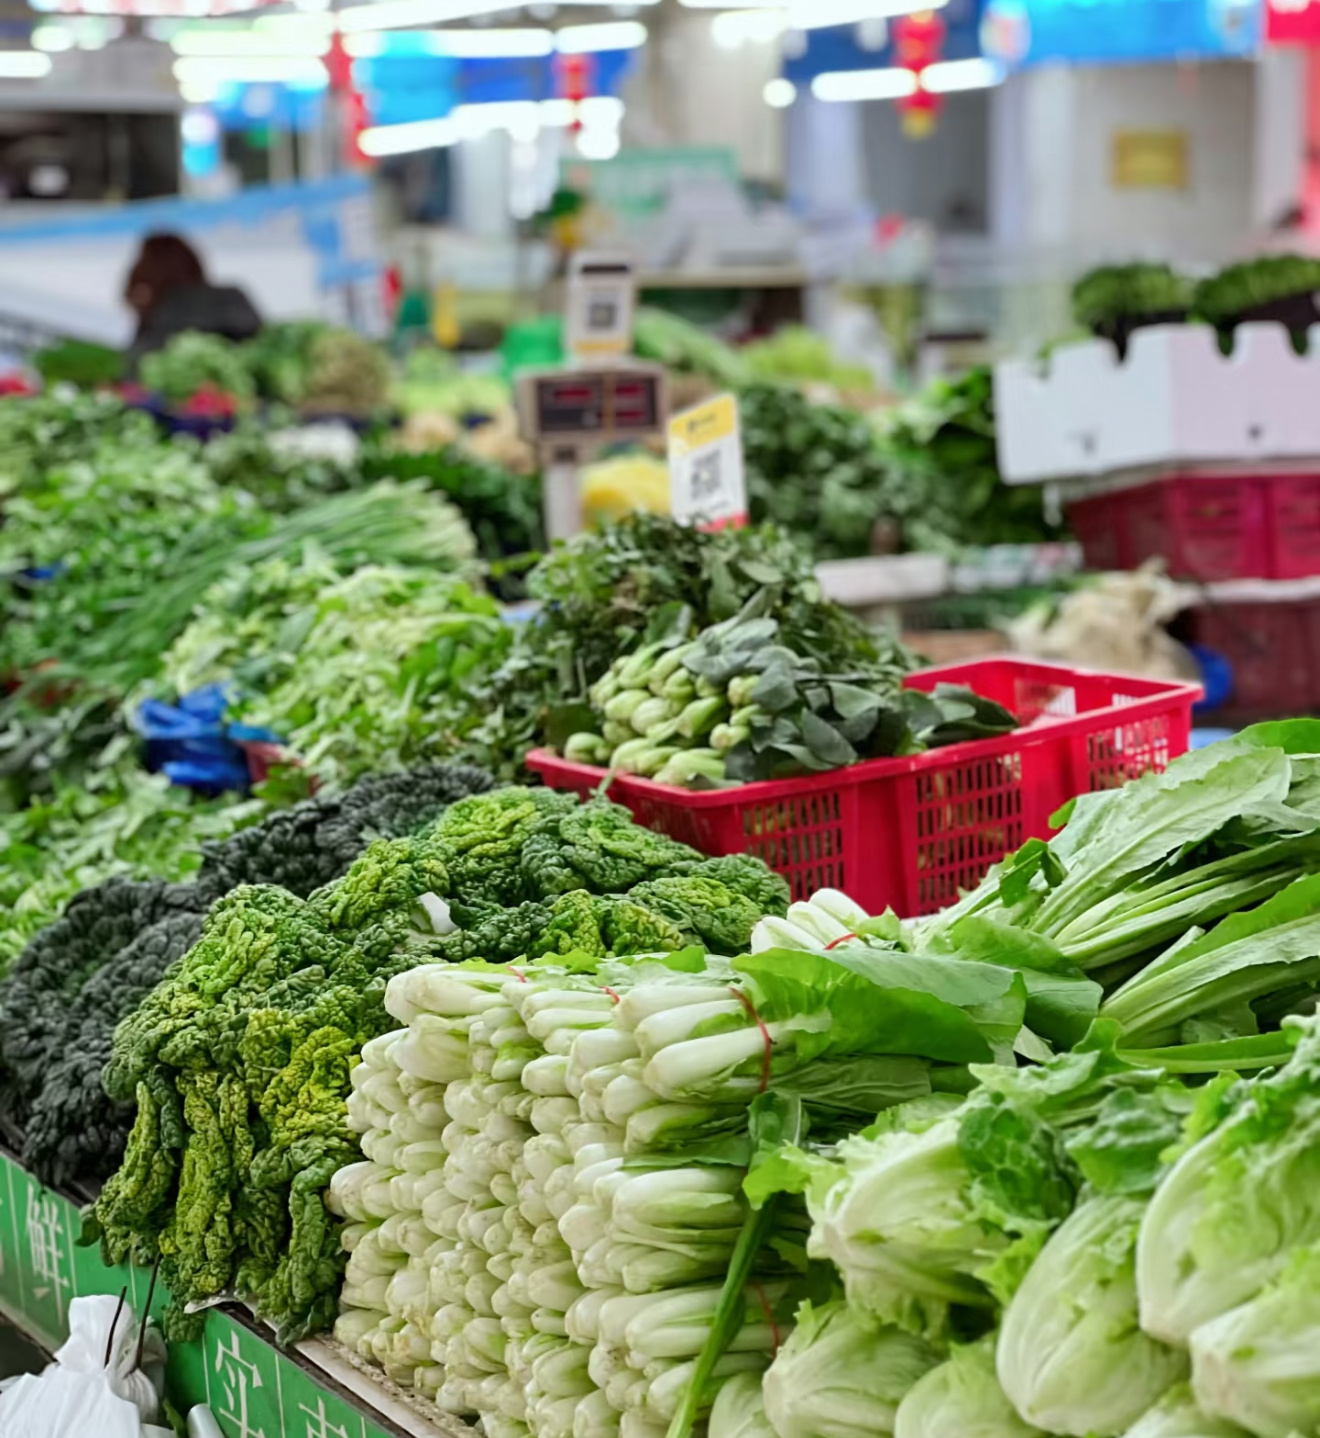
(1178, 1415)
(1239, 1201)
(739, 1409)
(1070, 1356)
(961, 1397)
(842, 1375)
(1259, 1364)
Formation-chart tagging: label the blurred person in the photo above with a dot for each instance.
(168, 290)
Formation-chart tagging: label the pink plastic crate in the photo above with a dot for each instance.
(911, 833)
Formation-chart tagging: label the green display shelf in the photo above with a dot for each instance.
(255, 1389)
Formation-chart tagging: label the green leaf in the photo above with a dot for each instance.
(1244, 956)
(826, 743)
(1242, 1055)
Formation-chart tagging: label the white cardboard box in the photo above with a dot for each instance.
(1174, 399)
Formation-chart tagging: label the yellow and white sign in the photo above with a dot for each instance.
(599, 310)
(707, 481)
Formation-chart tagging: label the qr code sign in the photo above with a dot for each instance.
(706, 464)
(707, 479)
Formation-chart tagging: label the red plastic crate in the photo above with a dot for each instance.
(1294, 526)
(911, 833)
(1274, 650)
(1203, 527)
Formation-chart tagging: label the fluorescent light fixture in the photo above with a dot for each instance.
(201, 70)
(23, 64)
(601, 112)
(946, 76)
(229, 40)
(821, 14)
(888, 84)
(723, 4)
(598, 144)
(52, 38)
(591, 39)
(557, 114)
(406, 139)
(733, 29)
(779, 94)
(394, 14)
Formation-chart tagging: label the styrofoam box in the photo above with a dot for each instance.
(1174, 398)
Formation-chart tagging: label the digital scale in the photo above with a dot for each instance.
(571, 415)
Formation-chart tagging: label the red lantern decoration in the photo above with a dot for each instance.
(575, 79)
(918, 43)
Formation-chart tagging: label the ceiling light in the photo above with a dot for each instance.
(977, 73)
(779, 94)
(231, 40)
(592, 39)
(735, 28)
(889, 84)
(557, 114)
(601, 112)
(52, 38)
(393, 14)
(598, 144)
(405, 139)
(23, 64)
(251, 70)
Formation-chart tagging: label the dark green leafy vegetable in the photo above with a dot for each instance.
(1106, 297)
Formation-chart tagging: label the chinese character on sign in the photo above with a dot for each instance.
(237, 1375)
(318, 1422)
(46, 1245)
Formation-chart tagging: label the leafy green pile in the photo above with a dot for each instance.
(192, 362)
(686, 348)
(1225, 297)
(816, 470)
(47, 433)
(736, 704)
(113, 943)
(346, 375)
(604, 595)
(939, 451)
(1106, 298)
(77, 362)
(239, 1060)
(279, 359)
(796, 354)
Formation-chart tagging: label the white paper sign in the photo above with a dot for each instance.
(708, 486)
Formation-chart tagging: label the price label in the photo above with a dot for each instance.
(600, 308)
(707, 484)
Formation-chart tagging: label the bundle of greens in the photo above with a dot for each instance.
(78, 977)
(356, 674)
(816, 470)
(736, 704)
(686, 348)
(604, 595)
(939, 451)
(345, 375)
(193, 362)
(1236, 291)
(239, 1060)
(52, 432)
(280, 359)
(798, 355)
(77, 362)
(1111, 299)
(1227, 837)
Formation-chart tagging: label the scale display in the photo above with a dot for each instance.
(603, 403)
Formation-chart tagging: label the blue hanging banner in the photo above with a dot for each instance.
(870, 45)
(1036, 32)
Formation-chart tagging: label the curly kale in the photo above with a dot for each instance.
(45, 984)
(239, 1058)
(303, 848)
(74, 1129)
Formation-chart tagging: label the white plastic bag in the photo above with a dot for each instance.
(80, 1393)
